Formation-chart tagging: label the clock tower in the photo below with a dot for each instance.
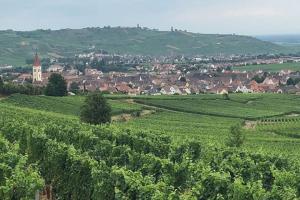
(36, 69)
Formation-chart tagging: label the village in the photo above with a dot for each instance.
(167, 76)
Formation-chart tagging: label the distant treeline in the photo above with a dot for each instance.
(11, 88)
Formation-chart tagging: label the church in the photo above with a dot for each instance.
(36, 69)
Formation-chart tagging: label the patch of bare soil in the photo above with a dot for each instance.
(293, 115)
(249, 102)
(2, 97)
(126, 117)
(250, 124)
(129, 100)
(121, 118)
(147, 112)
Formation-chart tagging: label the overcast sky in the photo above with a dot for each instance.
(247, 17)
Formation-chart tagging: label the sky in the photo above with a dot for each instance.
(245, 17)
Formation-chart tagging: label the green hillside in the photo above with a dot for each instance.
(16, 46)
(175, 153)
(65, 105)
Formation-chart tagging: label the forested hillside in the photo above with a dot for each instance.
(16, 46)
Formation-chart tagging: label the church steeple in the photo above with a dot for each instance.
(37, 61)
(36, 69)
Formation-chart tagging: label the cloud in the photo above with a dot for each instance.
(254, 12)
(206, 16)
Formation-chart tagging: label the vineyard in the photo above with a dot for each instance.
(65, 105)
(247, 106)
(286, 126)
(170, 154)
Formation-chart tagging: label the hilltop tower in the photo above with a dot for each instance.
(36, 69)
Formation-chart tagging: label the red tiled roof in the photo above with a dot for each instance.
(37, 61)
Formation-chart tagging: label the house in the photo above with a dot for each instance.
(185, 91)
(123, 88)
(93, 72)
(152, 90)
(55, 68)
(218, 90)
(243, 89)
(257, 88)
(22, 78)
(170, 90)
(271, 81)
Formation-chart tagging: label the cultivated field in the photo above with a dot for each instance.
(177, 152)
(204, 118)
(270, 67)
(66, 105)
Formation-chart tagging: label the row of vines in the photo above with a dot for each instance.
(80, 161)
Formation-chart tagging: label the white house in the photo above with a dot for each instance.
(243, 89)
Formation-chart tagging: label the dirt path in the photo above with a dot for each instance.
(250, 124)
(2, 97)
(127, 117)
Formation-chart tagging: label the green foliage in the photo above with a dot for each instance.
(244, 106)
(226, 96)
(18, 178)
(82, 161)
(1, 83)
(11, 88)
(69, 105)
(56, 86)
(259, 79)
(74, 87)
(293, 81)
(236, 138)
(96, 109)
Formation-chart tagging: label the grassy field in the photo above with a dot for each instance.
(270, 68)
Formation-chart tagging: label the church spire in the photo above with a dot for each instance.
(36, 69)
(37, 61)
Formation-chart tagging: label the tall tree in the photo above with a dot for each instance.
(74, 87)
(236, 138)
(1, 85)
(1, 82)
(96, 110)
(57, 86)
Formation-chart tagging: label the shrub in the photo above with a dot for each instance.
(96, 110)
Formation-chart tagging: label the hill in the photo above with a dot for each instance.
(282, 39)
(291, 41)
(16, 46)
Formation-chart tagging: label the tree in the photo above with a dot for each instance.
(57, 86)
(292, 81)
(74, 87)
(226, 96)
(258, 79)
(1, 84)
(236, 138)
(96, 110)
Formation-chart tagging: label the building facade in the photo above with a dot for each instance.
(36, 70)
